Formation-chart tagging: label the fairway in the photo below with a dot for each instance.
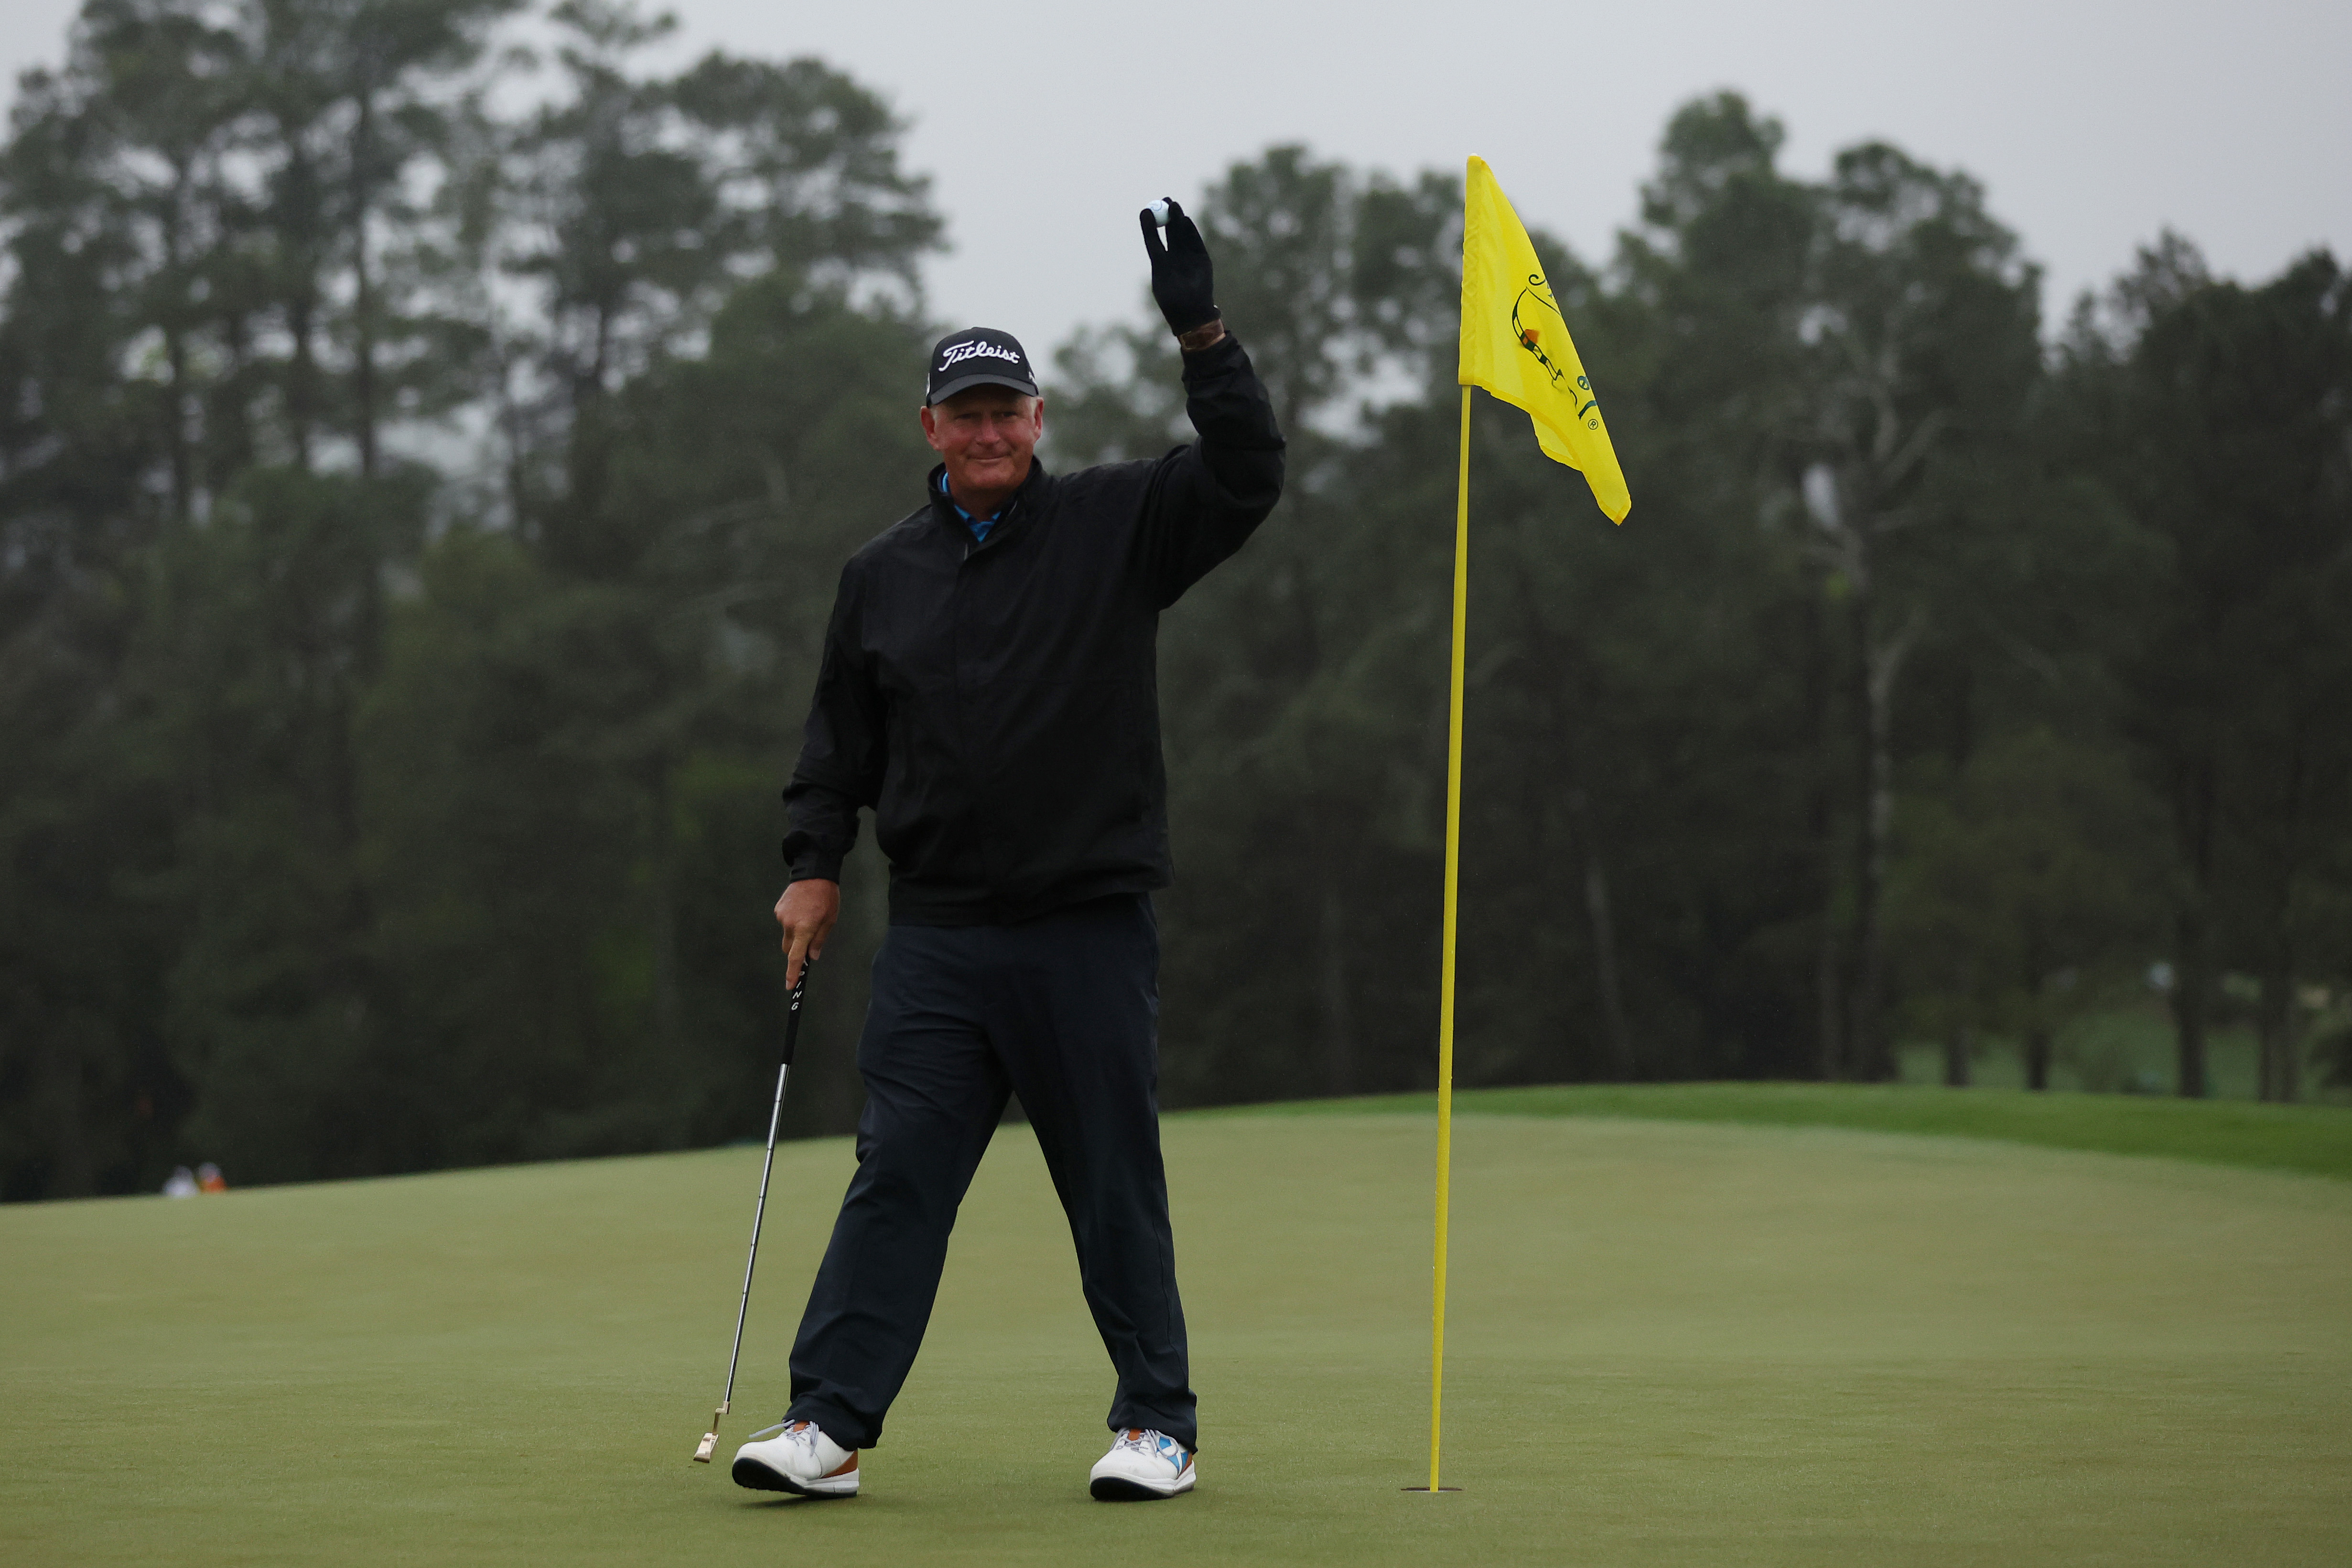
(1671, 1343)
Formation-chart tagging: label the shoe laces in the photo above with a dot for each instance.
(1146, 1440)
(804, 1433)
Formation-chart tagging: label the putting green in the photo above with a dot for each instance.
(1670, 1342)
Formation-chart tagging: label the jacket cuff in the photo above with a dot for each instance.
(1214, 360)
(811, 863)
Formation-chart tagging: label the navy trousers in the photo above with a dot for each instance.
(1064, 1011)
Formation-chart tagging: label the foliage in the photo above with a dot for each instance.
(418, 515)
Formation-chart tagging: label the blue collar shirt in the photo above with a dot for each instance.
(979, 525)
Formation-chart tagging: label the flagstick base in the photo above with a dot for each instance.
(1425, 1488)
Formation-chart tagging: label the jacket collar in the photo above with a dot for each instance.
(1008, 516)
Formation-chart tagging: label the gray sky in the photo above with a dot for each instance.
(1045, 123)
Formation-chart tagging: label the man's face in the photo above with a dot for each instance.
(985, 435)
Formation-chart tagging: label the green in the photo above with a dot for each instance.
(1671, 1343)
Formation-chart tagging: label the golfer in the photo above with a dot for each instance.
(989, 689)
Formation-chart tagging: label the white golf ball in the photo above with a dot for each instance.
(1159, 212)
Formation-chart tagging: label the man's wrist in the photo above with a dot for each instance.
(1206, 335)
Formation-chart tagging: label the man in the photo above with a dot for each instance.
(989, 689)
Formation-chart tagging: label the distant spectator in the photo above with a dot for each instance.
(180, 1183)
(209, 1178)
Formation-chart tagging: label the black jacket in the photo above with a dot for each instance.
(997, 704)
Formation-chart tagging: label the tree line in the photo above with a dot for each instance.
(418, 515)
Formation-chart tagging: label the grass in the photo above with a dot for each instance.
(2314, 1139)
(1671, 1342)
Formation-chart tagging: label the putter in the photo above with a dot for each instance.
(710, 1444)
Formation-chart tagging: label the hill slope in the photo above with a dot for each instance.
(2314, 1139)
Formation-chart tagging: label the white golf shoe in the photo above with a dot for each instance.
(798, 1458)
(1142, 1464)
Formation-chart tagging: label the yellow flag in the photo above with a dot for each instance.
(1516, 344)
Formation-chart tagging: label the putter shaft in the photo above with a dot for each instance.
(710, 1444)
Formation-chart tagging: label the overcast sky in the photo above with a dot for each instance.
(1045, 123)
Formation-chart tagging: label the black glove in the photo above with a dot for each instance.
(1180, 280)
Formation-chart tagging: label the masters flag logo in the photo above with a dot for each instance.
(1535, 296)
(1529, 313)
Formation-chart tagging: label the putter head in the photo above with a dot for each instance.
(710, 1444)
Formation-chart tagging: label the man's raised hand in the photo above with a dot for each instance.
(1181, 282)
(808, 912)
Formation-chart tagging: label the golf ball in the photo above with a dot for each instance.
(1159, 212)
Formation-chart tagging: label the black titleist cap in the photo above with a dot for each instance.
(979, 356)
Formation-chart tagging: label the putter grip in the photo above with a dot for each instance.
(793, 1001)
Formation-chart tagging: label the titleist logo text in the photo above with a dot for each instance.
(962, 351)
